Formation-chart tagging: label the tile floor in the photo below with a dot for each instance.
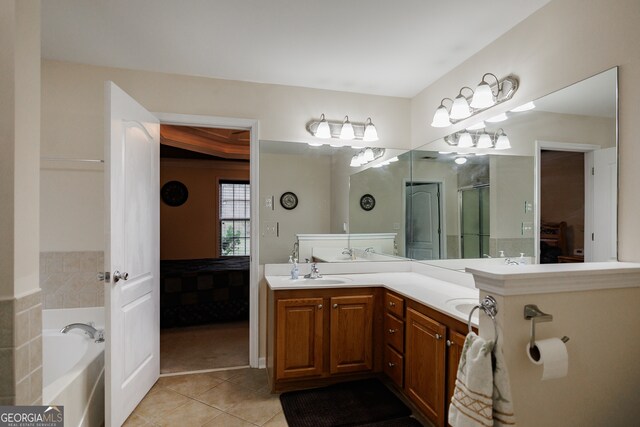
(197, 348)
(230, 398)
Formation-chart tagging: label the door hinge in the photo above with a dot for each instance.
(593, 171)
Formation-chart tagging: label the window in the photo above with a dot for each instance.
(235, 225)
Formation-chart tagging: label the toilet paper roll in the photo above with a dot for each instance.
(552, 355)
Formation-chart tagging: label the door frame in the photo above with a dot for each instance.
(254, 289)
(541, 145)
(443, 220)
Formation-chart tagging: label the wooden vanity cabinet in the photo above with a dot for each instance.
(393, 331)
(455, 343)
(320, 336)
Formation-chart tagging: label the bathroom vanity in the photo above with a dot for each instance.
(405, 326)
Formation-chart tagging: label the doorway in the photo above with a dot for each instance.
(205, 217)
(424, 216)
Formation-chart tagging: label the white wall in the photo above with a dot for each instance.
(20, 145)
(563, 42)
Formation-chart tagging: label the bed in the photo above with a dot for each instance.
(201, 291)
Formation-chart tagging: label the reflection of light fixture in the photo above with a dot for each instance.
(483, 97)
(370, 132)
(323, 130)
(502, 141)
(460, 108)
(393, 159)
(460, 160)
(441, 117)
(366, 155)
(499, 118)
(477, 126)
(484, 141)
(524, 107)
(315, 144)
(465, 140)
(346, 132)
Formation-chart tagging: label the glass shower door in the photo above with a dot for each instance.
(474, 209)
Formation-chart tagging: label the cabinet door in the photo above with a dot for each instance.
(351, 334)
(424, 365)
(454, 351)
(299, 338)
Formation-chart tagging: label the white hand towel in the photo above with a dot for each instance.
(482, 396)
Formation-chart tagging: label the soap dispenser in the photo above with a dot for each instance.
(294, 269)
(522, 260)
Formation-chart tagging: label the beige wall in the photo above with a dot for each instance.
(565, 41)
(309, 178)
(191, 231)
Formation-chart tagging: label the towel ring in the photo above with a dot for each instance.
(490, 308)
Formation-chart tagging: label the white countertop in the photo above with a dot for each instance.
(432, 292)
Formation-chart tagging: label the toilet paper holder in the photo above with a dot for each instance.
(533, 313)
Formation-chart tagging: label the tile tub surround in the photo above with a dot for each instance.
(21, 350)
(68, 279)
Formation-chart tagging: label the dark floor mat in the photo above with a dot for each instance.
(397, 422)
(348, 404)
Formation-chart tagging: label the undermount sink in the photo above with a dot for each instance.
(462, 305)
(321, 281)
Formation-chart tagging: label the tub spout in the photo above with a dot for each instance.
(89, 329)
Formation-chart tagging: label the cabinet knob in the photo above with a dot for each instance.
(449, 343)
(335, 305)
(392, 304)
(391, 364)
(393, 331)
(319, 306)
(438, 336)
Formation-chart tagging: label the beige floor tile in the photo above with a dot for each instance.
(278, 420)
(226, 420)
(158, 402)
(225, 395)
(229, 373)
(254, 379)
(192, 414)
(258, 410)
(136, 421)
(190, 385)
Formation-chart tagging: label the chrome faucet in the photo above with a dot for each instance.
(315, 274)
(88, 328)
(369, 250)
(350, 252)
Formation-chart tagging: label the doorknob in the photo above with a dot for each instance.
(117, 276)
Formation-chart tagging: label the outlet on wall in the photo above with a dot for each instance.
(527, 229)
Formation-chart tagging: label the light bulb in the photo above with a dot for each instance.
(477, 126)
(483, 96)
(499, 118)
(465, 140)
(347, 129)
(460, 160)
(441, 118)
(503, 143)
(370, 131)
(323, 130)
(460, 108)
(484, 141)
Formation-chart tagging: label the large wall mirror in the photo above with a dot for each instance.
(550, 196)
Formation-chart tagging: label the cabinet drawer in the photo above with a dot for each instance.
(393, 365)
(394, 304)
(394, 332)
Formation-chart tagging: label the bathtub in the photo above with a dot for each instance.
(73, 366)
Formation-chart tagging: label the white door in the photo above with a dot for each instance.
(423, 201)
(132, 231)
(601, 228)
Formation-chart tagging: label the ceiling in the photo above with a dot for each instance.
(380, 47)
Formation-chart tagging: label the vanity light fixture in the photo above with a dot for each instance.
(366, 155)
(524, 107)
(344, 130)
(482, 139)
(460, 160)
(465, 140)
(485, 96)
(502, 141)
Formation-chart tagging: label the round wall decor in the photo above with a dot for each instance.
(367, 202)
(289, 200)
(174, 193)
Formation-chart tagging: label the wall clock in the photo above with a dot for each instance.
(174, 193)
(367, 202)
(289, 200)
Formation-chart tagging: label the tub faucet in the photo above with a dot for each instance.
(88, 328)
(315, 274)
